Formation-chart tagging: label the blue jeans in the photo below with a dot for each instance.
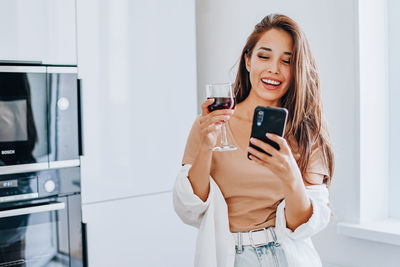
(264, 256)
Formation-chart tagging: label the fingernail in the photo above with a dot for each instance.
(251, 139)
(269, 135)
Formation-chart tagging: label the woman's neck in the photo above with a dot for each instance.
(245, 109)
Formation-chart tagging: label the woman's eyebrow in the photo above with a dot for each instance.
(269, 50)
(265, 48)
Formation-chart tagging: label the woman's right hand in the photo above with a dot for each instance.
(210, 124)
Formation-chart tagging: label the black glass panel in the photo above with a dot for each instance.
(63, 96)
(23, 118)
(15, 185)
(36, 239)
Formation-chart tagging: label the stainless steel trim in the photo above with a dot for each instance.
(29, 69)
(19, 197)
(62, 69)
(34, 209)
(64, 163)
(26, 62)
(24, 168)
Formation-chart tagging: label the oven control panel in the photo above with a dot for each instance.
(40, 184)
(13, 188)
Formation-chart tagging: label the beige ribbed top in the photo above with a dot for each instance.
(251, 192)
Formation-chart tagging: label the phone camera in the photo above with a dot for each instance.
(260, 117)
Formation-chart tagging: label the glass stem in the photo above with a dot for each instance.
(224, 139)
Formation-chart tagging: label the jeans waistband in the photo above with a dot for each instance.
(255, 238)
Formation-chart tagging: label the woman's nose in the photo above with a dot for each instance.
(273, 67)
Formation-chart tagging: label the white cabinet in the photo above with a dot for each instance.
(141, 231)
(38, 30)
(137, 62)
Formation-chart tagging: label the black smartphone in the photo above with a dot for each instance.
(268, 120)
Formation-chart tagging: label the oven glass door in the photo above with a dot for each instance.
(35, 235)
(23, 116)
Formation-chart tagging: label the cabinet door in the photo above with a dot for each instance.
(137, 63)
(38, 30)
(60, 32)
(142, 231)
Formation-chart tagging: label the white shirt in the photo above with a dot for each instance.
(215, 246)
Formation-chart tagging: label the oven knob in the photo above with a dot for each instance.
(49, 186)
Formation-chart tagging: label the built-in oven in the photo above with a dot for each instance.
(39, 118)
(40, 148)
(40, 219)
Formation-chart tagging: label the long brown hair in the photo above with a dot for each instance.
(303, 98)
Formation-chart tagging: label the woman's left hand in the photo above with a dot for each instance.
(281, 162)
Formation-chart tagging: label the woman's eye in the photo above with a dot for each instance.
(286, 61)
(263, 57)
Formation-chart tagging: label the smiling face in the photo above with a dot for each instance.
(269, 67)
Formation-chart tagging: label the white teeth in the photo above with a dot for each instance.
(271, 82)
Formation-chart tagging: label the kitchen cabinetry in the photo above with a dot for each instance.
(137, 62)
(38, 30)
(141, 231)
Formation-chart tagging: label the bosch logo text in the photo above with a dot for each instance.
(8, 152)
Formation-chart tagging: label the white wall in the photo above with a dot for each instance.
(393, 60)
(374, 122)
(331, 27)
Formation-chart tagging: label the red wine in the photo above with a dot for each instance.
(222, 103)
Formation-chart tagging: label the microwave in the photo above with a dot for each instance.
(40, 125)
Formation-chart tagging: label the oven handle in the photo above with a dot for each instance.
(35, 209)
(80, 117)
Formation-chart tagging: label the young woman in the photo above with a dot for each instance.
(263, 211)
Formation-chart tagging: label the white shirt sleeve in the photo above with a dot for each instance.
(189, 207)
(319, 197)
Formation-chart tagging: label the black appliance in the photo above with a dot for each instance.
(39, 118)
(40, 148)
(45, 229)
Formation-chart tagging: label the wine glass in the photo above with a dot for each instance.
(224, 98)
